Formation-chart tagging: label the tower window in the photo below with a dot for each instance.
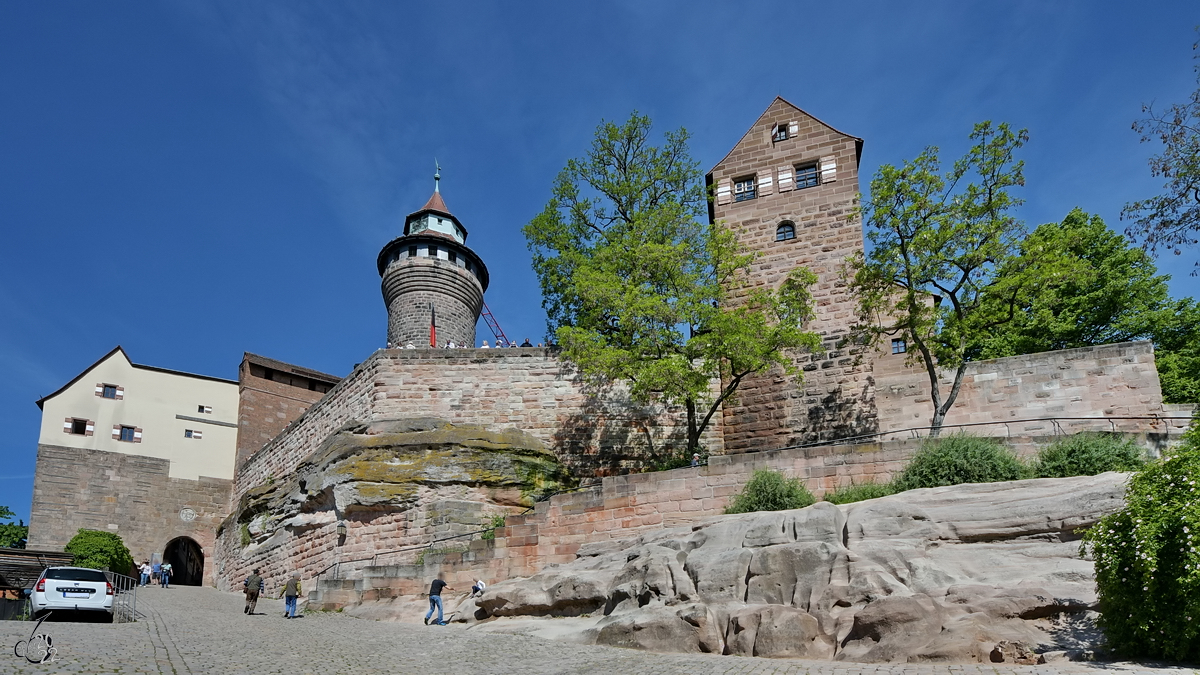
(126, 434)
(79, 427)
(785, 231)
(412, 251)
(453, 257)
(432, 252)
(781, 133)
(110, 391)
(807, 176)
(743, 189)
(899, 347)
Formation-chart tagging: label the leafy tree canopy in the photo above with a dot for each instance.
(1171, 221)
(1113, 294)
(947, 263)
(636, 283)
(100, 550)
(12, 535)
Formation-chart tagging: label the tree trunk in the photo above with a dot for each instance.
(939, 411)
(693, 433)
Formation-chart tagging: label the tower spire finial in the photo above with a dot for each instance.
(437, 175)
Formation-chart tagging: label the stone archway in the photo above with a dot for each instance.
(187, 561)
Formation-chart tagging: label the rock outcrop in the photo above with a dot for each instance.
(959, 573)
(452, 472)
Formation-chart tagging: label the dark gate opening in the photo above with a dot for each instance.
(187, 561)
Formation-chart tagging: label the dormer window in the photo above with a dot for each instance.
(785, 231)
(743, 189)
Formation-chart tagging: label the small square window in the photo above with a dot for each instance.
(127, 434)
(899, 347)
(110, 391)
(781, 133)
(412, 251)
(187, 433)
(743, 189)
(204, 409)
(79, 427)
(807, 176)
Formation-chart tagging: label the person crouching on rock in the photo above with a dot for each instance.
(477, 588)
(435, 598)
(291, 591)
(252, 586)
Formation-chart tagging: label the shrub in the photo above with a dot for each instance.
(858, 493)
(100, 550)
(956, 459)
(769, 490)
(1087, 454)
(1148, 560)
(493, 522)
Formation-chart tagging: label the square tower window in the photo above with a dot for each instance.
(432, 252)
(899, 347)
(126, 434)
(781, 133)
(743, 189)
(807, 176)
(110, 391)
(79, 427)
(412, 251)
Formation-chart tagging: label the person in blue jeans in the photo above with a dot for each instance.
(435, 598)
(164, 574)
(291, 591)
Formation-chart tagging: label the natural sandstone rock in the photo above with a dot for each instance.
(942, 574)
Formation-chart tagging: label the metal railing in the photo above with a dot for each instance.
(124, 597)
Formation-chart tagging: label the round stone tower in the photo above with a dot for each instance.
(432, 283)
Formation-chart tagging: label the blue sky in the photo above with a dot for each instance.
(193, 180)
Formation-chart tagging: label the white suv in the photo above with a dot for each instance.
(73, 588)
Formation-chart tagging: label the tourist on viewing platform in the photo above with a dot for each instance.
(526, 343)
(485, 345)
(695, 459)
(291, 591)
(252, 586)
(164, 575)
(155, 570)
(410, 345)
(435, 598)
(144, 573)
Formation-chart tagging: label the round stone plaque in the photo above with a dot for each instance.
(187, 515)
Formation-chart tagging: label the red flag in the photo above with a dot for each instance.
(432, 326)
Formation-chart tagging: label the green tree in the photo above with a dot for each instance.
(636, 284)
(100, 550)
(1113, 294)
(12, 536)
(1171, 221)
(932, 276)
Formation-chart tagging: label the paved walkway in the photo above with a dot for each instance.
(201, 630)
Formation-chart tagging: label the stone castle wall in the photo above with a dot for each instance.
(835, 399)
(129, 495)
(1113, 381)
(267, 406)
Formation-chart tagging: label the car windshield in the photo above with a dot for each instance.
(75, 574)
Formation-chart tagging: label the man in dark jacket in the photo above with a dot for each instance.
(252, 586)
(435, 598)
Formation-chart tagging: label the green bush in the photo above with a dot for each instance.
(100, 550)
(858, 493)
(956, 459)
(493, 523)
(1087, 454)
(769, 490)
(1148, 560)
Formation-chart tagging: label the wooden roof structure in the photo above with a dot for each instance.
(20, 567)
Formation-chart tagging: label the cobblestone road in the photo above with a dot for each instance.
(200, 630)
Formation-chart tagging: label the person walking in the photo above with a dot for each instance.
(155, 570)
(252, 586)
(291, 591)
(435, 598)
(144, 573)
(164, 574)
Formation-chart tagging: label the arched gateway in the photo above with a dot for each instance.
(187, 561)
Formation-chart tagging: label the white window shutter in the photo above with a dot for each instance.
(137, 435)
(116, 432)
(197, 434)
(724, 191)
(793, 129)
(786, 182)
(68, 425)
(100, 390)
(766, 184)
(91, 428)
(828, 169)
(120, 393)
